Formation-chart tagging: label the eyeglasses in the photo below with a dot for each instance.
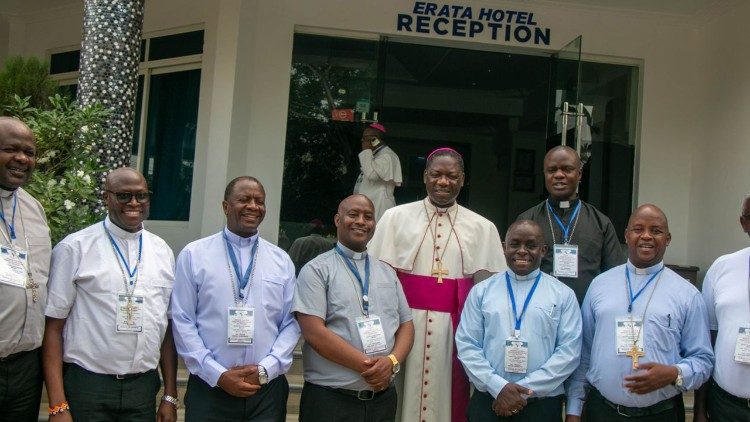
(125, 197)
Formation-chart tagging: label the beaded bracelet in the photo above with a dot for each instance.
(60, 408)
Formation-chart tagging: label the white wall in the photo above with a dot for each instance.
(721, 159)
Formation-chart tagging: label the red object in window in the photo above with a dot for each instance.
(343, 114)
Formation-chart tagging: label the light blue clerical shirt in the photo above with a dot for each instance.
(551, 325)
(675, 332)
(203, 293)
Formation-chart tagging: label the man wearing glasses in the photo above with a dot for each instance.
(107, 321)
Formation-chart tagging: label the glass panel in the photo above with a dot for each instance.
(68, 61)
(69, 90)
(320, 159)
(137, 124)
(170, 142)
(176, 45)
(142, 56)
(565, 75)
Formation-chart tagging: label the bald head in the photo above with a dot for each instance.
(647, 236)
(347, 202)
(127, 198)
(355, 222)
(17, 153)
(116, 175)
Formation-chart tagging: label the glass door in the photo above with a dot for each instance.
(565, 114)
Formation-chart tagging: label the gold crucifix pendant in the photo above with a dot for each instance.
(439, 272)
(634, 353)
(31, 284)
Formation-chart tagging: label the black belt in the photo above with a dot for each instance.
(363, 395)
(741, 401)
(638, 412)
(115, 376)
(18, 355)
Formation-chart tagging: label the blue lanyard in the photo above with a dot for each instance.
(565, 229)
(518, 318)
(630, 287)
(242, 280)
(131, 274)
(364, 285)
(12, 224)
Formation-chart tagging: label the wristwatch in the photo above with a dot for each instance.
(678, 381)
(174, 400)
(262, 375)
(396, 364)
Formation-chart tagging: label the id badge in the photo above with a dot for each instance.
(565, 261)
(13, 266)
(742, 349)
(129, 314)
(240, 326)
(372, 334)
(516, 355)
(626, 328)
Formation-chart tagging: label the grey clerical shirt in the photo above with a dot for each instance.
(598, 246)
(22, 319)
(326, 288)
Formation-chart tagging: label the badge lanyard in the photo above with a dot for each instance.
(516, 317)
(630, 287)
(364, 285)
(566, 232)
(132, 274)
(12, 225)
(242, 280)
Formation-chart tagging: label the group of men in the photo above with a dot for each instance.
(399, 318)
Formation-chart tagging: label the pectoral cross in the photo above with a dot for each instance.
(634, 353)
(33, 285)
(129, 312)
(439, 272)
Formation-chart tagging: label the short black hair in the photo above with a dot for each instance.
(446, 153)
(230, 187)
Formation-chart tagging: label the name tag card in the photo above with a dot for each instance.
(13, 266)
(372, 334)
(129, 314)
(742, 349)
(516, 355)
(240, 326)
(565, 261)
(626, 328)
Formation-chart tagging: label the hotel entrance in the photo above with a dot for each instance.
(501, 109)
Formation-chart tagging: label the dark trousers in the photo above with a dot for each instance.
(97, 397)
(204, 403)
(724, 407)
(320, 404)
(597, 410)
(20, 386)
(546, 409)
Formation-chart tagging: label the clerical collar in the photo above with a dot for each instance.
(441, 210)
(530, 276)
(5, 194)
(377, 149)
(118, 232)
(645, 271)
(563, 204)
(350, 253)
(238, 240)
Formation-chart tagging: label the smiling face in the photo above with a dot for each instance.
(130, 215)
(17, 153)
(444, 179)
(245, 207)
(647, 236)
(562, 173)
(524, 247)
(355, 222)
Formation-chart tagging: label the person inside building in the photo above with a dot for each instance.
(108, 325)
(518, 365)
(582, 241)
(380, 170)
(305, 248)
(233, 324)
(645, 335)
(356, 324)
(25, 257)
(726, 291)
(438, 249)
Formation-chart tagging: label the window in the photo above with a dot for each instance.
(166, 116)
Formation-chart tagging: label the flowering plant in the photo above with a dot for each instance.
(67, 167)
